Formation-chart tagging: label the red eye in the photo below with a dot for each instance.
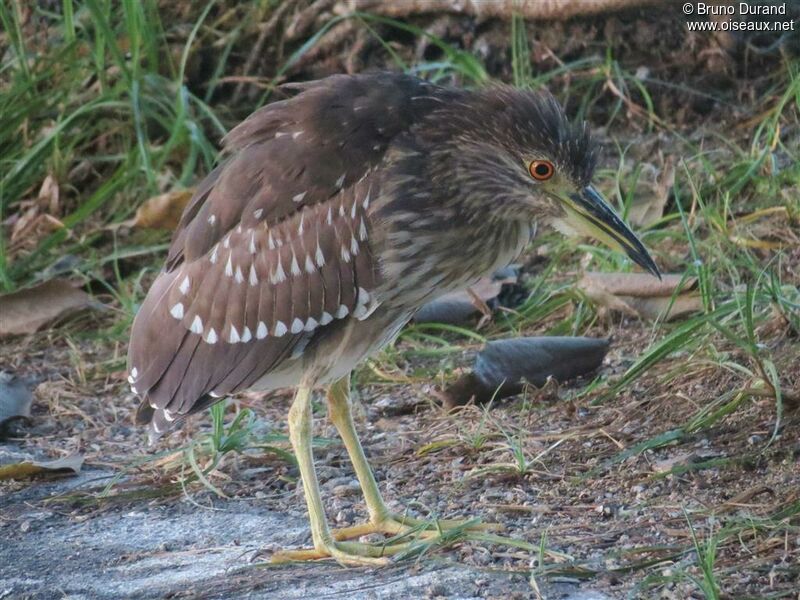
(541, 170)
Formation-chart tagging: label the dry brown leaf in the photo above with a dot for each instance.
(651, 185)
(163, 211)
(642, 295)
(32, 227)
(50, 196)
(69, 465)
(461, 305)
(38, 217)
(28, 310)
(651, 194)
(23, 222)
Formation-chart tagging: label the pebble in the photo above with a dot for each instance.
(482, 558)
(347, 489)
(346, 515)
(436, 590)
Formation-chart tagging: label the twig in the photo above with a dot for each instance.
(305, 19)
(527, 9)
(337, 34)
(266, 30)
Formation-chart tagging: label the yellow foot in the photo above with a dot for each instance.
(352, 554)
(409, 532)
(397, 524)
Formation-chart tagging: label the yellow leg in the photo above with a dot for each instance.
(348, 553)
(381, 519)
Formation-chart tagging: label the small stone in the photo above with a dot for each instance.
(482, 558)
(391, 406)
(346, 515)
(347, 489)
(435, 591)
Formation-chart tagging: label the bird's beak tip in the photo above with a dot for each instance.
(654, 270)
(639, 254)
(612, 228)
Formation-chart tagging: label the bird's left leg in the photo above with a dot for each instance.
(381, 519)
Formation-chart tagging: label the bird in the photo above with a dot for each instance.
(334, 214)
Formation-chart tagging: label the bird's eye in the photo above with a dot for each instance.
(541, 170)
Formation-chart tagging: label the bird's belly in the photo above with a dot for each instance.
(334, 353)
(363, 339)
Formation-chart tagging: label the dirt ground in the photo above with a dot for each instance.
(603, 524)
(179, 550)
(614, 519)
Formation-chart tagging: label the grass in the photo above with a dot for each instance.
(86, 100)
(118, 102)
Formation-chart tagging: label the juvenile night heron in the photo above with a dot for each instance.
(336, 214)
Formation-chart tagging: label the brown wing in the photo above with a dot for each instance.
(273, 246)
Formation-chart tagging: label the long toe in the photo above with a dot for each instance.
(470, 525)
(396, 524)
(351, 554)
(388, 526)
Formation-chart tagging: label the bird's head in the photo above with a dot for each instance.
(517, 154)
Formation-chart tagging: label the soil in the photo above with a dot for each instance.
(601, 522)
(179, 550)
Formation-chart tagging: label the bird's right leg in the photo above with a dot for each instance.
(348, 553)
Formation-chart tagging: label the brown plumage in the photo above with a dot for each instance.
(274, 240)
(334, 215)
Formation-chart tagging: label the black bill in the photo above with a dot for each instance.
(608, 227)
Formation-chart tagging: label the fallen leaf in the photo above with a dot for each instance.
(23, 222)
(35, 218)
(163, 211)
(650, 193)
(646, 184)
(15, 401)
(31, 228)
(28, 310)
(503, 367)
(49, 195)
(69, 465)
(642, 295)
(460, 306)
